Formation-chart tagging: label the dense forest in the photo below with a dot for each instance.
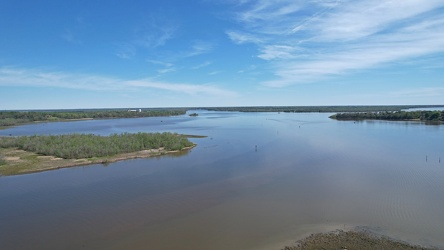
(12, 118)
(430, 116)
(76, 146)
(326, 109)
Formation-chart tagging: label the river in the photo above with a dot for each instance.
(257, 181)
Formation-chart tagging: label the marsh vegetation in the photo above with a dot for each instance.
(26, 154)
(429, 116)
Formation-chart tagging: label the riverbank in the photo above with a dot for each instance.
(16, 118)
(350, 240)
(17, 161)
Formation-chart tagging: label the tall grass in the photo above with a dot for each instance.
(2, 160)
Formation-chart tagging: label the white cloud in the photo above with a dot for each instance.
(36, 78)
(358, 19)
(306, 41)
(270, 52)
(268, 10)
(243, 37)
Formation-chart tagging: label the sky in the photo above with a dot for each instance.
(204, 53)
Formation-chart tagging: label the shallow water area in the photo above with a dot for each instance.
(257, 181)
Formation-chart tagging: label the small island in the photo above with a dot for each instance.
(26, 154)
(426, 116)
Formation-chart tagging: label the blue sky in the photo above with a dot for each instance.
(173, 53)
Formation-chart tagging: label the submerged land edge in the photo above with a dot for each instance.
(352, 239)
(20, 162)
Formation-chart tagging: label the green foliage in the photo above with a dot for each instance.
(431, 116)
(2, 160)
(12, 118)
(75, 146)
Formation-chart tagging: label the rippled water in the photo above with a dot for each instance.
(258, 181)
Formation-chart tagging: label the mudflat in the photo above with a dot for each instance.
(19, 161)
(351, 240)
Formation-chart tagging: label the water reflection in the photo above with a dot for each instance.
(307, 174)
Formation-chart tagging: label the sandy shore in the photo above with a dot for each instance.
(23, 162)
(350, 240)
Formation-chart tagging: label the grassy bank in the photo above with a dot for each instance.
(26, 154)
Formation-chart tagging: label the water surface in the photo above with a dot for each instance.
(258, 181)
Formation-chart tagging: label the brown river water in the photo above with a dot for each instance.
(258, 181)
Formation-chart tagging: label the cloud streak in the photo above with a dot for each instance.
(308, 41)
(15, 77)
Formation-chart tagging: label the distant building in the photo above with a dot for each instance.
(135, 110)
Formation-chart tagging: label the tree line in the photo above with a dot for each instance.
(12, 118)
(324, 109)
(432, 116)
(76, 146)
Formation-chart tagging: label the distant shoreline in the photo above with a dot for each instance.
(433, 117)
(15, 118)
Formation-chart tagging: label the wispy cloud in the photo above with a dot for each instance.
(16, 77)
(72, 34)
(68, 35)
(212, 73)
(202, 65)
(166, 70)
(155, 32)
(306, 41)
(126, 51)
(196, 48)
(243, 37)
(270, 52)
(165, 64)
(199, 48)
(359, 19)
(190, 89)
(152, 33)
